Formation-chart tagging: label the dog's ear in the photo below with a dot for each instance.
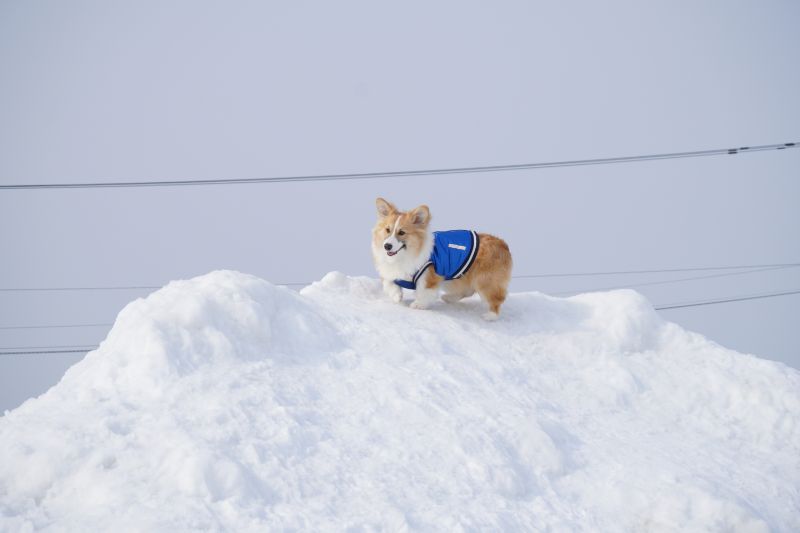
(420, 216)
(384, 208)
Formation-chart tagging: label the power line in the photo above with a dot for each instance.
(667, 282)
(726, 300)
(659, 307)
(653, 271)
(114, 288)
(75, 346)
(37, 352)
(762, 268)
(23, 289)
(33, 350)
(404, 173)
(58, 326)
(523, 276)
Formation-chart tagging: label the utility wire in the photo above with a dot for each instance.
(111, 288)
(58, 326)
(73, 346)
(524, 276)
(595, 289)
(24, 289)
(404, 173)
(725, 300)
(657, 308)
(654, 271)
(667, 282)
(37, 352)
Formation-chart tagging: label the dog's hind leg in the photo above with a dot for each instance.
(494, 295)
(456, 290)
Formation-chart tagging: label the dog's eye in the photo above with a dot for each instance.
(401, 232)
(387, 230)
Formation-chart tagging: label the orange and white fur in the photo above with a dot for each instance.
(402, 243)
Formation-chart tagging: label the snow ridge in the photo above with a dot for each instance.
(226, 403)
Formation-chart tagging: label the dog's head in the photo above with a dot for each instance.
(399, 232)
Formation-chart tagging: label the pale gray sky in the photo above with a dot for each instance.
(115, 91)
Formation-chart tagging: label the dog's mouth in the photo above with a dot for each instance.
(391, 254)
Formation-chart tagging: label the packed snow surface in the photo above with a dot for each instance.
(226, 403)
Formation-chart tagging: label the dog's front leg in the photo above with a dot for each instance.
(427, 290)
(423, 298)
(393, 291)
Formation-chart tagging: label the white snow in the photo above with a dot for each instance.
(226, 403)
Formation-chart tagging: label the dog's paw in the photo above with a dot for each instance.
(490, 316)
(394, 292)
(418, 305)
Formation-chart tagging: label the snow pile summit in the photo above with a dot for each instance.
(226, 403)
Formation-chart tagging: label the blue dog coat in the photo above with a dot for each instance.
(453, 254)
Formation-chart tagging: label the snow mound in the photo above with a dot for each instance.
(226, 403)
(214, 320)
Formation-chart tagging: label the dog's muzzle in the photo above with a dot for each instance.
(389, 252)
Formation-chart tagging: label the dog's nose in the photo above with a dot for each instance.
(387, 246)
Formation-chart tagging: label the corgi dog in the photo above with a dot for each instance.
(408, 255)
